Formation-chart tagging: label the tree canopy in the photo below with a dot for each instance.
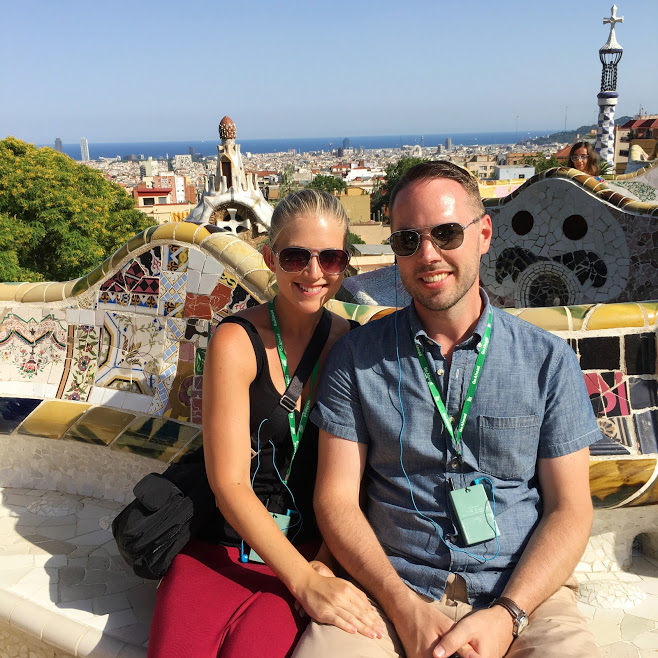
(329, 184)
(58, 219)
(382, 193)
(541, 163)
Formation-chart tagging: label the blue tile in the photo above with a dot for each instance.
(13, 411)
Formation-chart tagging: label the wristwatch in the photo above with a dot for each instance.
(518, 615)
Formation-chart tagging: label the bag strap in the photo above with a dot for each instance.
(288, 401)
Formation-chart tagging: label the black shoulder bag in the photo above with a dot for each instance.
(171, 508)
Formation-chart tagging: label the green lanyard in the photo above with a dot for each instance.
(456, 435)
(295, 434)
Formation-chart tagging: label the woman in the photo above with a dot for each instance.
(584, 158)
(214, 601)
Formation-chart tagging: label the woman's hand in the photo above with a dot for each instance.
(331, 600)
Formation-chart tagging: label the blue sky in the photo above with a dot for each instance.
(131, 71)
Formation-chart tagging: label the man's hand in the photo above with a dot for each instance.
(422, 627)
(488, 631)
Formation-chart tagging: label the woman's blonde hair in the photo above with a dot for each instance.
(316, 203)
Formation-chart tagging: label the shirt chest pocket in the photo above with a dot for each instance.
(508, 445)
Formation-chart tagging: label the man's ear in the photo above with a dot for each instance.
(486, 233)
(268, 257)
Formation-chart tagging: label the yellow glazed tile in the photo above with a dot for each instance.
(52, 418)
(613, 316)
(95, 276)
(578, 315)
(184, 232)
(201, 234)
(164, 232)
(136, 241)
(554, 318)
(35, 293)
(21, 289)
(80, 286)
(651, 309)
(259, 280)
(55, 291)
(8, 292)
(100, 425)
(119, 255)
(158, 438)
(148, 234)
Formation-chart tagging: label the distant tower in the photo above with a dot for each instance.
(233, 201)
(346, 143)
(84, 150)
(422, 141)
(58, 145)
(448, 144)
(609, 54)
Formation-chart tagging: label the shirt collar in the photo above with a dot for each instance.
(473, 341)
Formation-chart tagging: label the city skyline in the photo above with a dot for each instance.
(307, 71)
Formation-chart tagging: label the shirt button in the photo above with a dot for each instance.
(479, 346)
(454, 463)
(452, 420)
(440, 371)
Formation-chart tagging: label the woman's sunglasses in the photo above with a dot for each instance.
(575, 158)
(295, 259)
(444, 236)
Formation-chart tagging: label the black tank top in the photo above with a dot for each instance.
(274, 454)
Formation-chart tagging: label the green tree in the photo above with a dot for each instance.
(329, 184)
(541, 163)
(58, 219)
(353, 238)
(381, 194)
(288, 184)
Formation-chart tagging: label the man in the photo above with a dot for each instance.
(500, 421)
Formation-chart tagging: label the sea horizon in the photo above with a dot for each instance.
(208, 147)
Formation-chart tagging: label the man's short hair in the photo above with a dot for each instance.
(437, 169)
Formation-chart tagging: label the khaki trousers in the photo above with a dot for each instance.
(557, 629)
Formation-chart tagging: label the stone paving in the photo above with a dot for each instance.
(62, 580)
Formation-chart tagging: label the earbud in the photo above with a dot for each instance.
(244, 558)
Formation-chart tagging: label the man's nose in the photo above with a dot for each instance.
(427, 250)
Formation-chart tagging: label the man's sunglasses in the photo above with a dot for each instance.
(295, 259)
(444, 236)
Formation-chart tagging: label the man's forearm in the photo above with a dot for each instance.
(356, 547)
(552, 553)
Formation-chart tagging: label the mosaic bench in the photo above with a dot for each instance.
(101, 381)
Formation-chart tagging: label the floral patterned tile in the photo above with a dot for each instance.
(83, 364)
(31, 347)
(131, 352)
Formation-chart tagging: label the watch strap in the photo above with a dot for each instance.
(519, 615)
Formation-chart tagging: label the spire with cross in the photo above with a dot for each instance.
(609, 54)
(611, 43)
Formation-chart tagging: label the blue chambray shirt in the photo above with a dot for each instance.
(531, 402)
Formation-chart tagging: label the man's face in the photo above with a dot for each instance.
(440, 279)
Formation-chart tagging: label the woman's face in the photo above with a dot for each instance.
(310, 288)
(579, 159)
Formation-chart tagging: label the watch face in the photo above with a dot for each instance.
(520, 624)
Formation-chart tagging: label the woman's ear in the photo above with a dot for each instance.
(268, 257)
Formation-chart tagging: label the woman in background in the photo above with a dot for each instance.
(584, 158)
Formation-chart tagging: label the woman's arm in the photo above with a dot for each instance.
(230, 367)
